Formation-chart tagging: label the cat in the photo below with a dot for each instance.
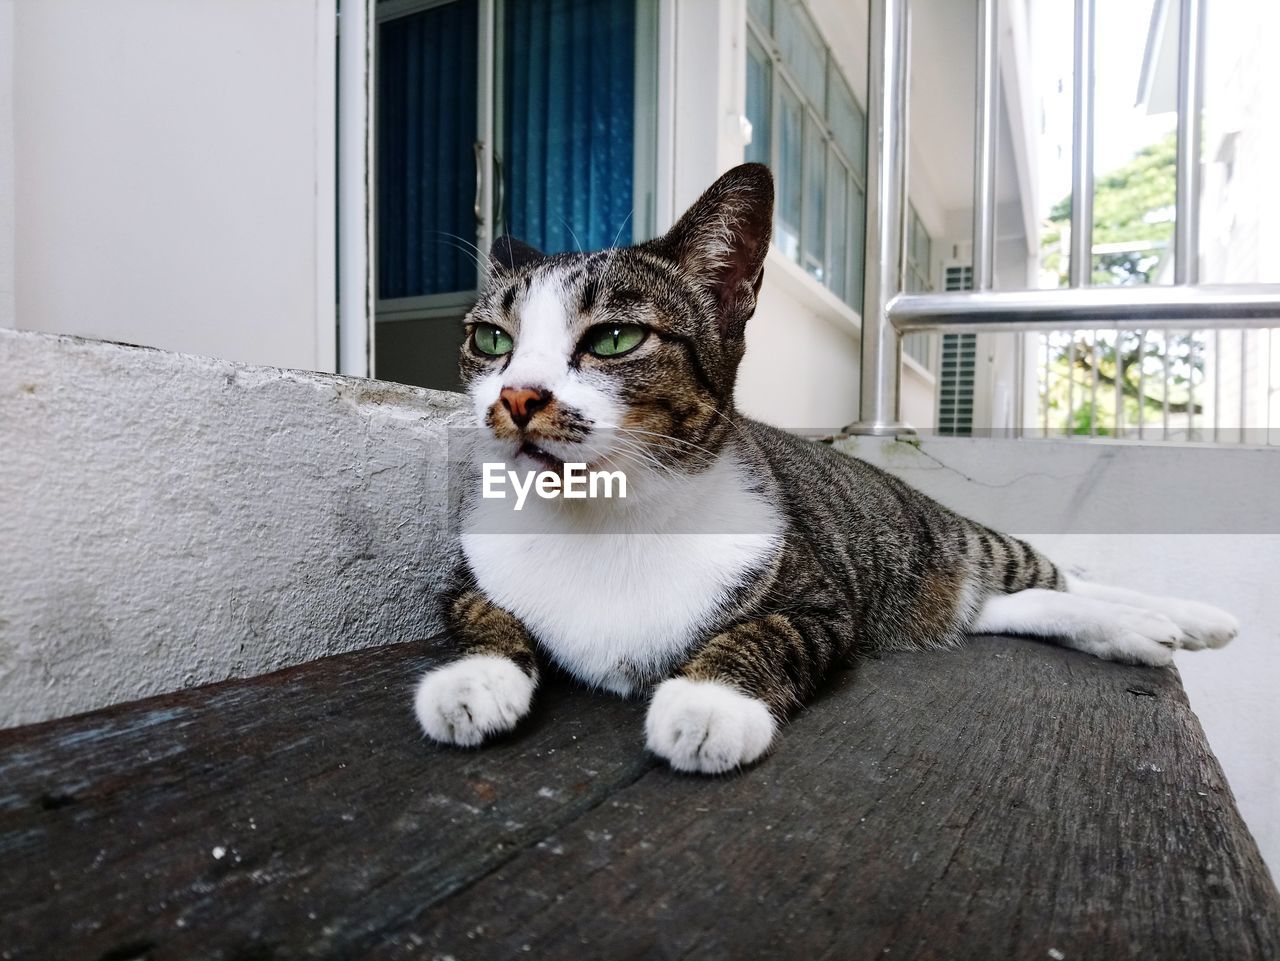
(746, 562)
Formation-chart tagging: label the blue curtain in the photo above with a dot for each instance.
(569, 122)
(426, 125)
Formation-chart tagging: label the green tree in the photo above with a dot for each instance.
(1133, 222)
(1132, 206)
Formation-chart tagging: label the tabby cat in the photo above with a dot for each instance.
(745, 562)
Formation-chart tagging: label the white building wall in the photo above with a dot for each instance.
(1241, 206)
(801, 368)
(7, 305)
(173, 175)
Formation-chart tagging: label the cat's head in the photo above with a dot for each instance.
(624, 355)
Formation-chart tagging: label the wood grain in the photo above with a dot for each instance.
(1001, 801)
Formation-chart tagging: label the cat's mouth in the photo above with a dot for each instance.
(541, 456)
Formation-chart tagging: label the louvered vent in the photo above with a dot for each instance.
(958, 363)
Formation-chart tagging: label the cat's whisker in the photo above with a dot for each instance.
(481, 265)
(478, 256)
(721, 414)
(667, 437)
(576, 242)
(613, 248)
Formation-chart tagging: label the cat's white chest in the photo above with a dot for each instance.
(619, 609)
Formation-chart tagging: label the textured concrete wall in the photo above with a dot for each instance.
(1194, 521)
(168, 520)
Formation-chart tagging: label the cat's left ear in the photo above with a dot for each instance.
(721, 242)
(507, 255)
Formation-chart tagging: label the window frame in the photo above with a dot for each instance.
(450, 305)
(918, 278)
(816, 115)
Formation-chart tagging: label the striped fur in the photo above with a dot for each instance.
(837, 559)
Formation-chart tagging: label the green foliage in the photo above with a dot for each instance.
(1131, 205)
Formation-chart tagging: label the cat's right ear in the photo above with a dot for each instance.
(508, 255)
(721, 242)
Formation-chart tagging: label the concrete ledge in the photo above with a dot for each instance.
(172, 520)
(1082, 486)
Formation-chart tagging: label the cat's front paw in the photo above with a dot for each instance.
(707, 726)
(472, 699)
(1202, 625)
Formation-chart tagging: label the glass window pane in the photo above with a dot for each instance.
(790, 157)
(847, 122)
(815, 207)
(802, 50)
(759, 10)
(425, 168)
(838, 222)
(857, 240)
(759, 101)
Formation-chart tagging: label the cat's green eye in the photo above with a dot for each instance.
(492, 340)
(614, 340)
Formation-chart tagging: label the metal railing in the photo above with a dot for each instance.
(1182, 385)
(888, 312)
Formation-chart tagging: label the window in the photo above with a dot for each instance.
(808, 127)
(919, 254)
(572, 115)
(918, 279)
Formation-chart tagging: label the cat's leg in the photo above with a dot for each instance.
(723, 707)
(1113, 632)
(490, 686)
(1203, 625)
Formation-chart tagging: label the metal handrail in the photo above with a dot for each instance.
(1094, 308)
(888, 312)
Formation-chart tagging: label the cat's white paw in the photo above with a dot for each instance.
(472, 699)
(1202, 625)
(1135, 635)
(707, 726)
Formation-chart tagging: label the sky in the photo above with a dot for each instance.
(1120, 127)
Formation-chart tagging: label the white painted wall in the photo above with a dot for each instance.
(800, 370)
(1195, 521)
(801, 366)
(7, 211)
(173, 520)
(174, 174)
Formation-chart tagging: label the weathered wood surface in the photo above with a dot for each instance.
(1011, 800)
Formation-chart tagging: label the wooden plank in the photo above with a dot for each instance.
(329, 811)
(1003, 801)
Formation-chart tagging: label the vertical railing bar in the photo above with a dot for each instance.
(1142, 383)
(1271, 362)
(1093, 396)
(1080, 267)
(1071, 384)
(1191, 383)
(887, 117)
(1217, 382)
(1044, 399)
(1119, 431)
(984, 137)
(1244, 381)
(1165, 393)
(1186, 224)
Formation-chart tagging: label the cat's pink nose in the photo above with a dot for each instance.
(523, 402)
